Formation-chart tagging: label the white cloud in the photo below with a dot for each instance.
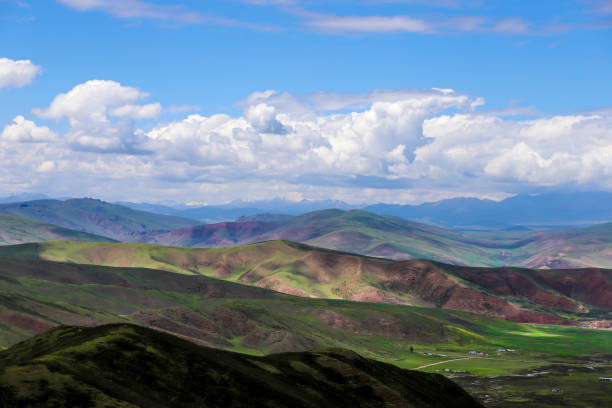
(90, 101)
(151, 110)
(356, 24)
(378, 24)
(277, 137)
(542, 152)
(22, 130)
(383, 145)
(136, 9)
(17, 73)
(46, 166)
(88, 106)
(139, 9)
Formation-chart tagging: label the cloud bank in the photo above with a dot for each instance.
(382, 145)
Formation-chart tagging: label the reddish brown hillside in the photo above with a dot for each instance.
(565, 289)
(516, 294)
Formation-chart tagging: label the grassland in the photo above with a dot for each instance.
(36, 296)
(128, 366)
(559, 297)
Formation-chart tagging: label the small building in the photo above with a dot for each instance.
(472, 352)
(605, 379)
(556, 390)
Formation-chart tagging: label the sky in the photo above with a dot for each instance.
(397, 101)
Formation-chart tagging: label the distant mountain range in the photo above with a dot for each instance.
(534, 211)
(238, 209)
(94, 217)
(355, 231)
(551, 210)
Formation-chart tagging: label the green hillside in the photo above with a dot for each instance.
(389, 237)
(36, 296)
(352, 231)
(94, 217)
(130, 366)
(523, 295)
(17, 230)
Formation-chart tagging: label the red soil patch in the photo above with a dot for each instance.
(27, 323)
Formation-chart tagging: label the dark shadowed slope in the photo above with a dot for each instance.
(94, 216)
(17, 230)
(524, 295)
(131, 366)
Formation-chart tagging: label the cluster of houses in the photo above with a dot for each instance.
(502, 350)
(476, 353)
(605, 379)
(437, 355)
(447, 370)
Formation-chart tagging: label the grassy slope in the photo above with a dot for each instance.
(365, 233)
(17, 230)
(516, 294)
(123, 365)
(353, 231)
(38, 295)
(94, 216)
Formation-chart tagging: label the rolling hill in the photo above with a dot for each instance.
(94, 217)
(517, 294)
(389, 237)
(37, 296)
(17, 230)
(131, 366)
(352, 231)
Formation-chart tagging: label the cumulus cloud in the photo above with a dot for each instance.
(382, 145)
(22, 130)
(88, 106)
(542, 152)
(277, 136)
(17, 73)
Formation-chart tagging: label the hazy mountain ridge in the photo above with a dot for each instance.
(355, 231)
(18, 230)
(540, 211)
(93, 216)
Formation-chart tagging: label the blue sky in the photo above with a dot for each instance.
(361, 108)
